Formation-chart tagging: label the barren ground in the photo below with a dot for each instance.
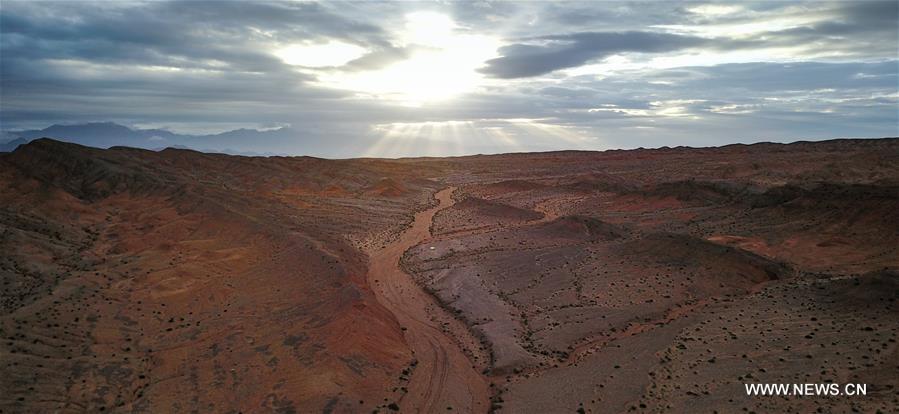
(644, 281)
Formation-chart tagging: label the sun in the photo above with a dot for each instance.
(443, 64)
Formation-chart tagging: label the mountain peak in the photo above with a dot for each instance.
(243, 141)
(96, 126)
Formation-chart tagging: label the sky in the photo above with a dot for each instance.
(349, 79)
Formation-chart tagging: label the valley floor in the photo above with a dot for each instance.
(620, 281)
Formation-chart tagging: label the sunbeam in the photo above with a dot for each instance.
(401, 139)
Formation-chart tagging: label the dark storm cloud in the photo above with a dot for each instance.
(572, 50)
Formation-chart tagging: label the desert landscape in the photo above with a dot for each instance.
(468, 206)
(643, 280)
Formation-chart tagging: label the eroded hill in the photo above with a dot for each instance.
(179, 281)
(664, 280)
(647, 280)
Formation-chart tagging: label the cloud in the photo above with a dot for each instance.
(552, 53)
(177, 34)
(380, 58)
(766, 77)
(667, 73)
(865, 29)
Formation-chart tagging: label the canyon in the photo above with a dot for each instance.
(649, 280)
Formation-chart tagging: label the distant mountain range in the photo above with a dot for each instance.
(109, 134)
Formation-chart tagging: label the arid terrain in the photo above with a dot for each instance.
(619, 281)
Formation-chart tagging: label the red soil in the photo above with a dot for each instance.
(646, 280)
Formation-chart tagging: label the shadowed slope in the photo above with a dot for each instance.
(179, 281)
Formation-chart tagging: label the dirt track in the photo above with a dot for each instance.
(444, 376)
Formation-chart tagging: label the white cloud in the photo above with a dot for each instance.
(320, 55)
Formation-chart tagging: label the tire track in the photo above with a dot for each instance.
(444, 376)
